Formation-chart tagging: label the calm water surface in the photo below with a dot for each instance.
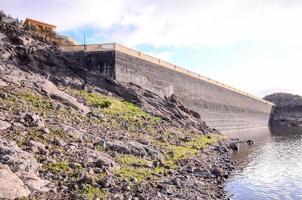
(269, 169)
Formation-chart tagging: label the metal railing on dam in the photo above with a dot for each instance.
(146, 57)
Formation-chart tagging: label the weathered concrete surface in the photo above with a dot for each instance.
(221, 108)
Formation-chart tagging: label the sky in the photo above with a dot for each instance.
(253, 45)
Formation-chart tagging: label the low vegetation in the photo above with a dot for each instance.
(90, 192)
(133, 167)
(59, 167)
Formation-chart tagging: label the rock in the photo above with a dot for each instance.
(4, 125)
(73, 132)
(45, 130)
(85, 178)
(33, 182)
(98, 159)
(37, 147)
(2, 83)
(133, 179)
(23, 41)
(176, 182)
(287, 111)
(234, 146)
(4, 55)
(32, 119)
(11, 187)
(57, 141)
(3, 95)
(97, 114)
(52, 90)
(17, 159)
(134, 148)
(250, 142)
(23, 164)
(216, 172)
(106, 181)
(75, 165)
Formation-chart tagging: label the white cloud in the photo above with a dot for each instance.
(172, 22)
(207, 23)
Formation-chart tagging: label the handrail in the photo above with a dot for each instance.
(149, 58)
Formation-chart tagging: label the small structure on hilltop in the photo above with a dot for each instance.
(42, 26)
(48, 32)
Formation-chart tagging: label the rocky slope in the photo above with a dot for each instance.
(66, 133)
(287, 110)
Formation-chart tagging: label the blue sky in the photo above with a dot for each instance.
(253, 45)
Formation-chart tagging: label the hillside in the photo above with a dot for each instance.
(69, 134)
(287, 110)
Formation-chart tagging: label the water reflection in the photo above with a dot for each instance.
(269, 169)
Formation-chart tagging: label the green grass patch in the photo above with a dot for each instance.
(135, 167)
(119, 113)
(174, 153)
(132, 160)
(59, 167)
(200, 142)
(140, 173)
(91, 192)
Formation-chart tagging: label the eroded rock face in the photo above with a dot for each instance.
(287, 110)
(11, 187)
(23, 164)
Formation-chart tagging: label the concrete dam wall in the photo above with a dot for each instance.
(220, 106)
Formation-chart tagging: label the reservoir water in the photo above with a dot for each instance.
(269, 169)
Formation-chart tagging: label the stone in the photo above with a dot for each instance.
(287, 111)
(85, 177)
(4, 125)
(37, 147)
(11, 187)
(75, 165)
(16, 158)
(45, 130)
(234, 146)
(176, 181)
(106, 181)
(4, 55)
(94, 158)
(134, 148)
(97, 114)
(250, 142)
(34, 120)
(52, 90)
(133, 179)
(57, 141)
(3, 95)
(73, 132)
(216, 172)
(33, 182)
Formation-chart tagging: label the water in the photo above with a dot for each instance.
(269, 169)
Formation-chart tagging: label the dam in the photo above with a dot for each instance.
(221, 106)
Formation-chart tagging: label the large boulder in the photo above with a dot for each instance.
(23, 164)
(16, 158)
(11, 187)
(287, 110)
